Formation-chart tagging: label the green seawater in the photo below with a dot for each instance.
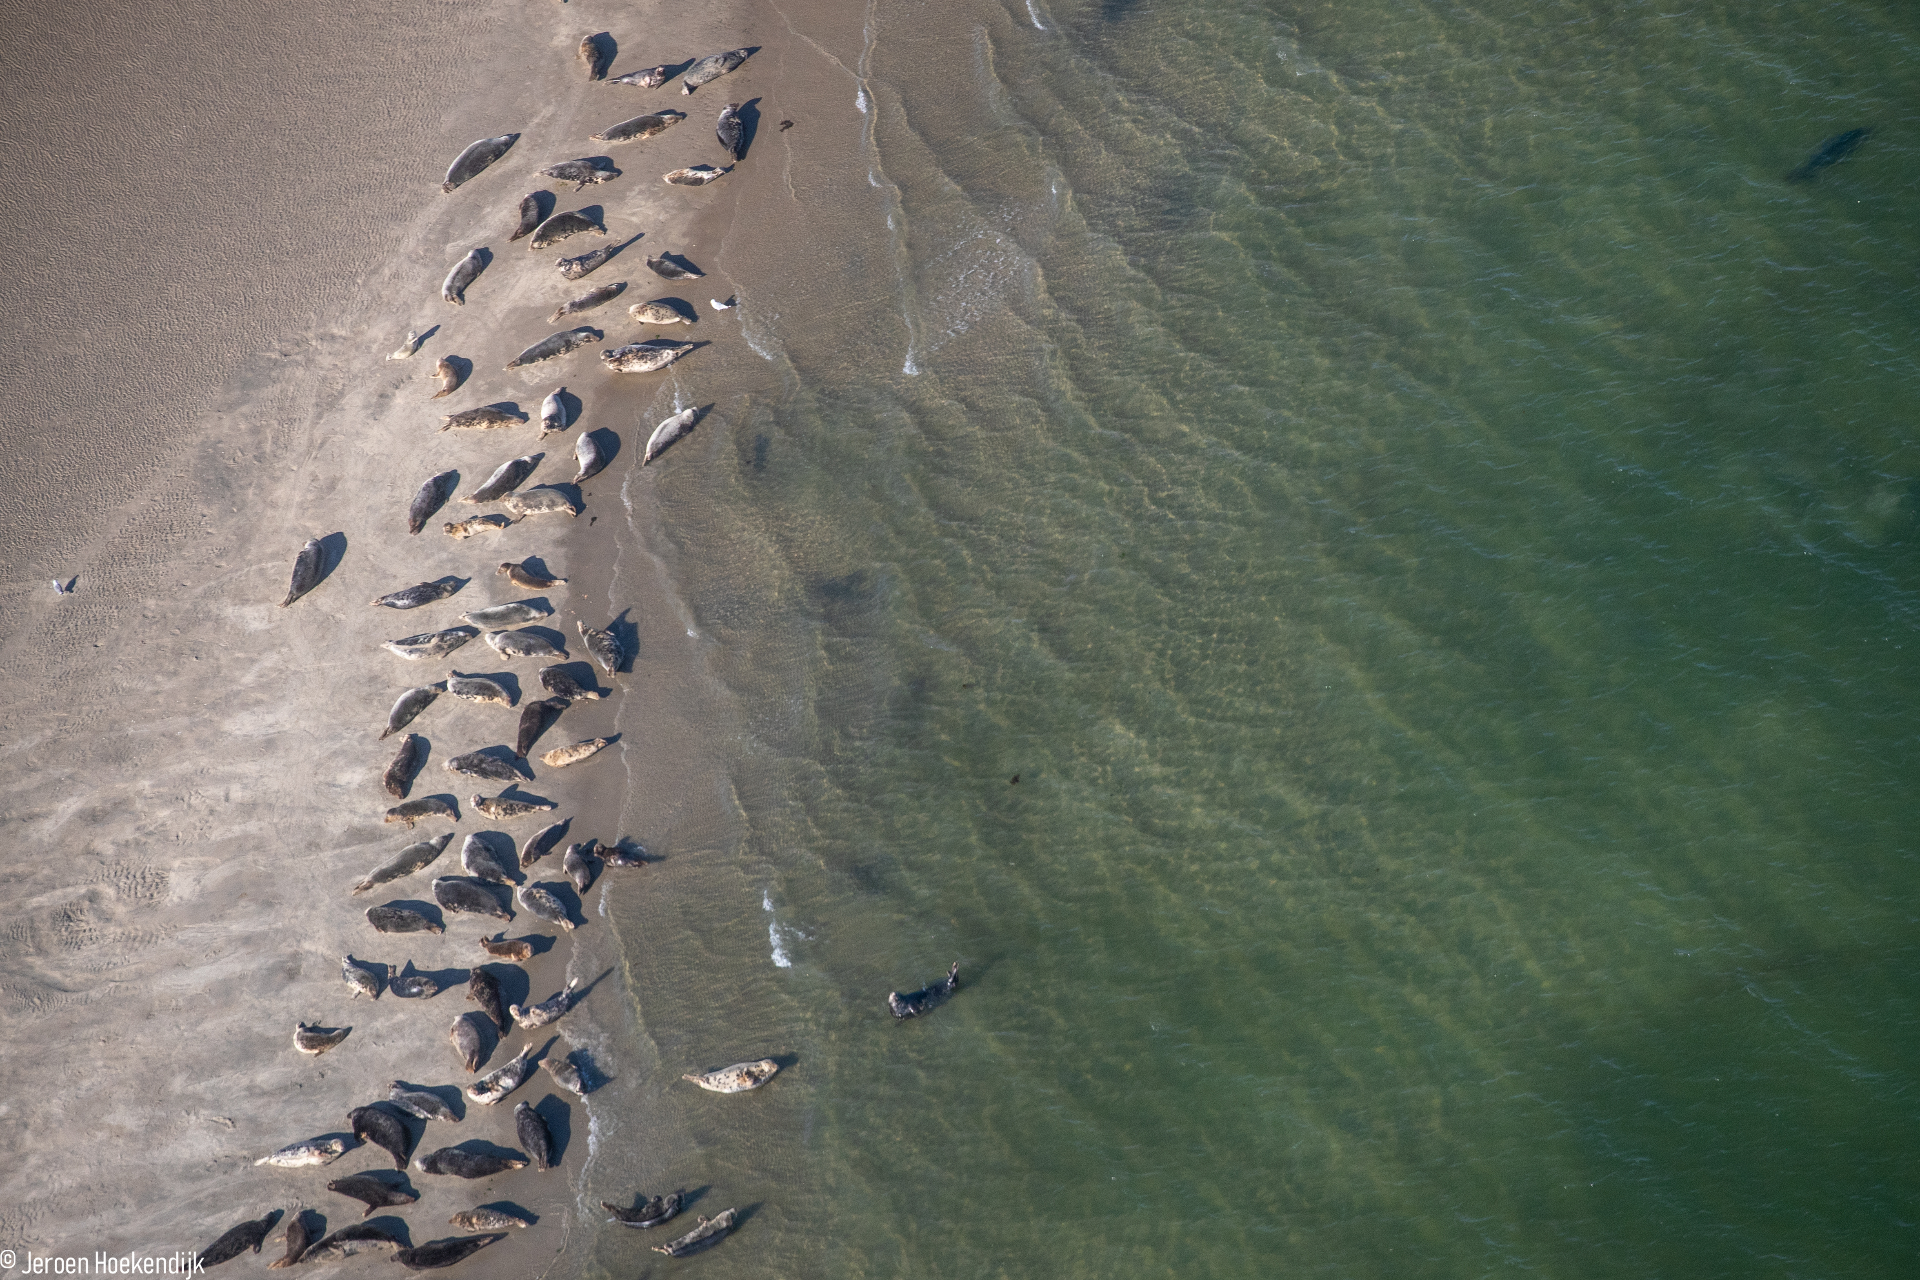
(1364, 587)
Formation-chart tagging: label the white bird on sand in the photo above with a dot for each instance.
(63, 589)
(728, 305)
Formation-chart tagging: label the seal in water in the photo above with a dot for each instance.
(592, 459)
(501, 809)
(669, 431)
(299, 1236)
(645, 1213)
(487, 417)
(407, 348)
(667, 269)
(552, 1009)
(414, 986)
(454, 288)
(432, 496)
(425, 807)
(651, 78)
(659, 311)
(1830, 152)
(542, 843)
(458, 893)
(406, 862)
(580, 172)
(738, 1078)
(521, 644)
(469, 164)
(405, 767)
(641, 127)
(645, 357)
(466, 1164)
(731, 302)
(529, 215)
(363, 979)
(539, 902)
(521, 576)
(410, 704)
(383, 1130)
(430, 644)
(929, 997)
(534, 1136)
(511, 614)
(424, 1106)
(306, 571)
(506, 478)
(442, 1253)
(711, 68)
(487, 1219)
(482, 861)
(465, 1035)
(375, 1193)
(477, 689)
(573, 753)
(604, 648)
(484, 990)
(299, 1155)
(415, 596)
(698, 175)
(399, 920)
(731, 132)
(578, 868)
(477, 524)
(541, 500)
(557, 682)
(709, 1230)
(317, 1040)
(585, 302)
(586, 263)
(618, 857)
(237, 1240)
(553, 410)
(501, 947)
(447, 374)
(595, 54)
(566, 1075)
(341, 1243)
(495, 1085)
(535, 719)
(562, 225)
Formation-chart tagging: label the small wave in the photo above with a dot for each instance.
(860, 100)
(780, 956)
(1035, 15)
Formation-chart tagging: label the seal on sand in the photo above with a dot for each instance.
(425, 807)
(511, 614)
(604, 648)
(738, 1078)
(413, 986)
(495, 1085)
(506, 478)
(534, 1136)
(484, 990)
(521, 644)
(641, 127)
(342, 1243)
(477, 689)
(521, 576)
(375, 1193)
(430, 644)
(469, 164)
(363, 979)
(501, 809)
(482, 861)
(585, 302)
(575, 863)
(557, 682)
(418, 594)
(477, 524)
(454, 288)
(466, 1164)
(698, 175)
(543, 904)
(650, 356)
(596, 51)
(581, 172)
(501, 947)
(236, 1241)
(459, 893)
(647, 1213)
(587, 263)
(731, 131)
(928, 997)
(541, 500)
(317, 1040)
(566, 1075)
(405, 351)
(528, 215)
(465, 1035)
(442, 1253)
(542, 843)
(667, 269)
(651, 78)
(405, 863)
(487, 1219)
(447, 374)
(478, 764)
(659, 311)
(562, 225)
(419, 1104)
(383, 1130)
(535, 719)
(669, 431)
(299, 1236)
(552, 1009)
(554, 415)
(299, 1155)
(399, 920)
(486, 418)
(432, 496)
(405, 767)
(407, 706)
(711, 68)
(306, 571)
(573, 753)
(555, 345)
(589, 456)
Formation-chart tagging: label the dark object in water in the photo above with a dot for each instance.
(708, 1233)
(918, 1002)
(1830, 152)
(646, 1213)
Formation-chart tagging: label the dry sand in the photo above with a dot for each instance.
(217, 240)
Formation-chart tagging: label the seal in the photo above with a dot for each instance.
(1830, 152)
(425, 807)
(454, 288)
(409, 705)
(505, 478)
(711, 68)
(585, 302)
(405, 352)
(738, 1078)
(538, 902)
(587, 263)
(521, 576)
(415, 596)
(659, 311)
(405, 863)
(237, 1240)
(651, 78)
(927, 998)
(430, 644)
(640, 127)
(487, 1219)
(645, 357)
(645, 1213)
(732, 132)
(501, 947)
(392, 919)
(574, 753)
(465, 1035)
(344, 1242)
(488, 417)
(307, 567)
(511, 614)
(566, 1075)
(375, 1193)
(542, 843)
(698, 175)
(501, 809)
(562, 225)
(383, 1130)
(557, 682)
(581, 172)
(528, 215)
(578, 868)
(472, 162)
(481, 861)
(466, 1164)
(535, 719)
(460, 894)
(619, 857)
(447, 374)
(703, 1236)
(541, 500)
(414, 986)
(521, 644)
(604, 648)
(484, 990)
(552, 1009)
(669, 431)
(299, 1236)
(317, 1040)
(300, 1155)
(667, 269)
(534, 1136)
(442, 1253)
(477, 524)
(405, 767)
(420, 1104)
(362, 979)
(554, 415)
(590, 458)
(432, 496)
(596, 53)
(477, 689)
(495, 1085)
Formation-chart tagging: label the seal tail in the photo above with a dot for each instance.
(953, 978)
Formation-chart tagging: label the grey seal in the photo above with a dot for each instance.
(554, 415)
(566, 1075)
(465, 1035)
(425, 807)
(432, 496)
(511, 614)
(585, 302)
(711, 68)
(391, 919)
(414, 986)
(580, 172)
(615, 856)
(659, 311)
(406, 766)
(646, 1213)
(425, 1106)
(477, 524)
(561, 225)
(381, 1129)
(443, 1253)
(430, 644)
(534, 1136)
(307, 567)
(578, 868)
(317, 1040)
(487, 1219)
(596, 51)
(707, 1233)
(574, 752)
(477, 689)
(535, 719)
(454, 288)
(342, 1243)
(557, 682)
(484, 990)
(447, 374)
(466, 1164)
(506, 478)
(461, 894)
(929, 997)
(1830, 152)
(641, 127)
(502, 809)
(550, 1010)
(587, 263)
(487, 417)
(738, 1078)
(651, 78)
(301, 1155)
(419, 594)
(604, 648)
(522, 644)
(541, 844)
(497, 1084)
(527, 216)
(363, 979)
(540, 903)
(299, 1236)
(667, 269)
(409, 705)
(541, 500)
(731, 132)
(472, 162)
(697, 175)
(521, 576)
(235, 1241)
(669, 431)
(375, 1193)
(501, 947)
(482, 861)
(645, 357)
(404, 863)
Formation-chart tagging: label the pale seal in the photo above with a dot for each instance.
(382, 1129)
(403, 352)
(501, 947)
(404, 863)
(541, 500)
(307, 568)
(512, 614)
(596, 52)
(443, 1253)
(540, 903)
(422, 1105)
(300, 1155)
(542, 843)
(235, 1241)
(390, 919)
(461, 894)
(534, 1135)
(587, 263)
(732, 132)
(535, 719)
(447, 374)
(521, 576)
(585, 302)
(432, 496)
(582, 172)
(414, 986)
(419, 594)
(645, 1213)
(650, 356)
(550, 1010)
(466, 1164)
(501, 809)
(425, 807)
(527, 216)
(317, 1040)
(477, 524)
(566, 1075)
(698, 175)
(477, 689)
(561, 225)
(299, 1236)
(406, 766)
(506, 478)
(669, 431)
(375, 1193)
(430, 644)
(469, 164)
(363, 979)
(651, 78)
(484, 990)
(479, 859)
(554, 415)
(575, 863)
(410, 704)
(707, 1233)
(521, 644)
(605, 649)
(659, 311)
(915, 1003)
(496, 1085)
(466, 1039)
(641, 127)
(573, 753)
(557, 682)
(487, 1219)
(738, 1078)
(667, 269)
(454, 288)
(589, 458)
(488, 417)
(711, 68)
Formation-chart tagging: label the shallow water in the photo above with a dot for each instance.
(1353, 565)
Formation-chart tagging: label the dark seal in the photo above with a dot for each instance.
(927, 998)
(383, 1129)
(237, 1240)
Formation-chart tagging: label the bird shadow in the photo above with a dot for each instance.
(627, 635)
(559, 1118)
(449, 1094)
(749, 117)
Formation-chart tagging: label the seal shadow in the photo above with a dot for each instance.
(406, 1122)
(537, 565)
(785, 1060)
(624, 245)
(513, 1207)
(481, 1147)
(627, 635)
(445, 979)
(546, 202)
(333, 549)
(680, 307)
(682, 261)
(749, 117)
(583, 992)
(559, 1118)
(515, 985)
(562, 890)
(496, 840)
(609, 441)
(552, 637)
(462, 370)
(583, 675)
(431, 910)
(450, 1094)
(676, 70)
(393, 1226)
(596, 212)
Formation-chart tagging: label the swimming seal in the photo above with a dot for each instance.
(554, 415)
(645, 1213)
(521, 644)
(541, 500)
(667, 269)
(535, 719)
(604, 648)
(425, 807)
(469, 164)
(383, 1130)
(641, 127)
(317, 1040)
(595, 53)
(587, 263)
(442, 1253)
(363, 979)
(477, 524)
(405, 767)
(430, 644)
(619, 857)
(487, 417)
(928, 997)
(413, 986)
(707, 1233)
(495, 1085)
(466, 1164)
(299, 1155)
(1830, 152)
(501, 809)
(528, 215)
(478, 764)
(506, 478)
(534, 1136)
(698, 175)
(511, 614)
(454, 288)
(659, 311)
(465, 1035)
(566, 1075)
(578, 869)
(502, 947)
(482, 861)
(237, 1240)
(405, 863)
(299, 1236)
(557, 682)
(477, 689)
(484, 990)
(738, 1078)
(521, 576)
(574, 753)
(732, 132)
(650, 356)
(711, 68)
(432, 496)
(562, 225)
(487, 1219)
(669, 431)
(306, 571)
(540, 903)
(424, 1106)
(407, 706)
(460, 894)
(555, 345)
(375, 1193)
(399, 920)
(585, 302)
(552, 1009)
(581, 172)
(447, 374)
(415, 596)
(651, 78)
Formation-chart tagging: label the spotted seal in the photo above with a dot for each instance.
(698, 175)
(477, 524)
(645, 1213)
(566, 1075)
(659, 311)
(307, 568)
(581, 172)
(541, 500)
(527, 217)
(738, 1078)
(301, 1155)
(550, 1010)
(557, 682)
(535, 719)
(375, 1193)
(482, 861)
(573, 753)
(408, 706)
(363, 979)
(425, 807)
(506, 478)
(454, 288)
(488, 417)
(391, 919)
(640, 127)
(601, 644)
(708, 1232)
(462, 894)
(381, 1129)
(419, 594)
(650, 356)
(501, 947)
(501, 809)
(651, 78)
(732, 132)
(521, 576)
(432, 496)
(405, 767)
(466, 1164)
(234, 1241)
(539, 902)
(712, 67)
(929, 997)
(477, 689)
(521, 644)
(413, 986)
(420, 1104)
(667, 269)
(554, 415)
(317, 1040)
(430, 644)
(472, 162)
(511, 614)
(447, 374)
(561, 225)
(497, 1084)
(404, 863)
(669, 431)
(587, 263)
(483, 989)
(585, 302)
(487, 1219)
